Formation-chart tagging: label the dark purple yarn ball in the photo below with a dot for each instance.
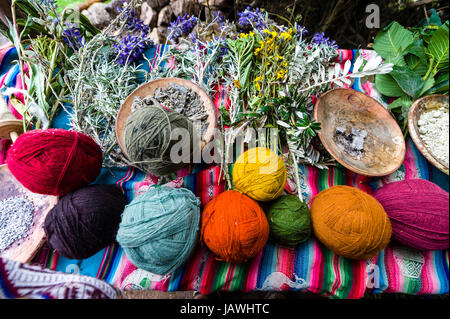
(419, 213)
(85, 221)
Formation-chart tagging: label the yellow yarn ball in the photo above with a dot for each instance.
(260, 174)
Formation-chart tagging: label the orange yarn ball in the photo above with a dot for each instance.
(234, 227)
(350, 222)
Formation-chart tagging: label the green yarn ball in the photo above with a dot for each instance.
(147, 139)
(289, 220)
(160, 229)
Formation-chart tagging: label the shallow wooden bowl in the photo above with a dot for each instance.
(148, 89)
(384, 148)
(415, 111)
(24, 250)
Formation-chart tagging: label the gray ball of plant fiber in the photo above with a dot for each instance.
(148, 142)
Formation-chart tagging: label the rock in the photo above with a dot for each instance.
(164, 32)
(157, 4)
(181, 7)
(148, 15)
(98, 15)
(165, 16)
(216, 3)
(112, 7)
(157, 37)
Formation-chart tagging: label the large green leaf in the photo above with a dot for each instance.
(392, 43)
(417, 48)
(416, 65)
(386, 85)
(416, 58)
(439, 45)
(409, 81)
(245, 76)
(27, 7)
(441, 85)
(427, 86)
(402, 102)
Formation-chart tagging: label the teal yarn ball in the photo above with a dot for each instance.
(160, 228)
(289, 220)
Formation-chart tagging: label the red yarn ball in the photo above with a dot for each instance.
(54, 161)
(419, 213)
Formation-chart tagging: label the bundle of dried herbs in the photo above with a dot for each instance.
(102, 75)
(44, 38)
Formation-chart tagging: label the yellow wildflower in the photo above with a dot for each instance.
(260, 48)
(287, 36)
(281, 74)
(237, 83)
(258, 81)
(279, 57)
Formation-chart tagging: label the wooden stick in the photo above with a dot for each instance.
(419, 3)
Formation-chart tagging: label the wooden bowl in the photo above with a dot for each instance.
(415, 111)
(384, 147)
(24, 250)
(149, 89)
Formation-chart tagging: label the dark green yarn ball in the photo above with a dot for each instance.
(147, 139)
(290, 220)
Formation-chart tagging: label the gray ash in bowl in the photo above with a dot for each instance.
(351, 140)
(16, 219)
(178, 99)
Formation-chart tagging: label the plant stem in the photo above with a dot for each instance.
(20, 60)
(297, 177)
(51, 70)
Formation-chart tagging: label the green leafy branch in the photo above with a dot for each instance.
(420, 57)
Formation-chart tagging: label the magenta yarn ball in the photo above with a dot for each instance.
(419, 213)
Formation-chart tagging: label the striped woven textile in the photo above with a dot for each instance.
(310, 267)
(18, 280)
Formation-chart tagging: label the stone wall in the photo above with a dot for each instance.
(157, 14)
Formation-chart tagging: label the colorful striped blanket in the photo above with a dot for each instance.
(310, 267)
(18, 280)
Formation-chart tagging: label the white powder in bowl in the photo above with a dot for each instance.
(433, 130)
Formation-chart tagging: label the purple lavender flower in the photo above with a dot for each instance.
(218, 15)
(333, 44)
(224, 47)
(301, 30)
(130, 49)
(256, 18)
(133, 23)
(193, 37)
(182, 26)
(198, 45)
(73, 37)
(319, 38)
